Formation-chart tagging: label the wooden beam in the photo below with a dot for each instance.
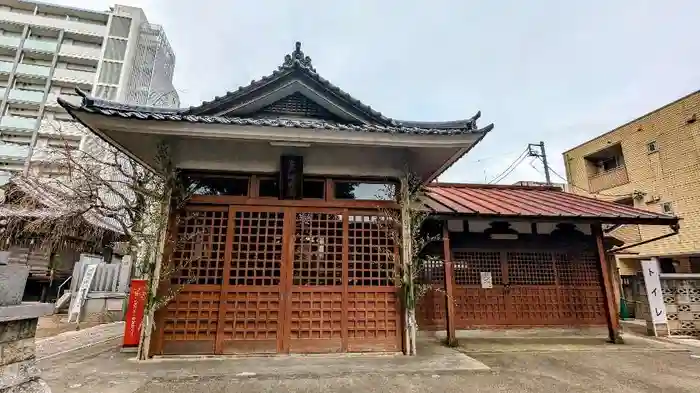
(449, 286)
(611, 311)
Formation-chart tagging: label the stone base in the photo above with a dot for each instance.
(18, 370)
(657, 329)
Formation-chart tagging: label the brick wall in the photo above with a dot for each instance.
(671, 174)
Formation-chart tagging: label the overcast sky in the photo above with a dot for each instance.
(551, 70)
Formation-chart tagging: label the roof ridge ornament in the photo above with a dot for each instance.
(297, 59)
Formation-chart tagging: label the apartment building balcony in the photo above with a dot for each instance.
(78, 27)
(40, 45)
(18, 122)
(74, 76)
(608, 179)
(81, 52)
(52, 99)
(28, 96)
(10, 42)
(11, 151)
(33, 70)
(5, 67)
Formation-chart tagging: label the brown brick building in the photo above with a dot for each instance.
(653, 163)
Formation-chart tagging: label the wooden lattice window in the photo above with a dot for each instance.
(468, 266)
(257, 248)
(371, 251)
(577, 270)
(433, 272)
(318, 249)
(199, 256)
(530, 268)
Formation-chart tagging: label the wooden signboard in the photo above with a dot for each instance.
(291, 177)
(81, 295)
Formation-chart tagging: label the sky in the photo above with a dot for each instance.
(556, 71)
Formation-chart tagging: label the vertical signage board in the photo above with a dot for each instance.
(652, 282)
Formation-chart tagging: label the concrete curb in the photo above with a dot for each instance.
(92, 344)
(310, 375)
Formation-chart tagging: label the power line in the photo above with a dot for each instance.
(510, 167)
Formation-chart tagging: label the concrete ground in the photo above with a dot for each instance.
(512, 365)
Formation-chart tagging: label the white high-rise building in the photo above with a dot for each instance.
(47, 51)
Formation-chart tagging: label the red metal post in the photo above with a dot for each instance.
(611, 311)
(449, 286)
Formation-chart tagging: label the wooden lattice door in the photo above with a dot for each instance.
(280, 279)
(315, 283)
(251, 314)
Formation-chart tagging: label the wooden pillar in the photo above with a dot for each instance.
(449, 287)
(611, 312)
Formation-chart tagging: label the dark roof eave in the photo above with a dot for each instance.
(557, 218)
(126, 113)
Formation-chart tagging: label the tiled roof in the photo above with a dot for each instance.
(108, 108)
(296, 62)
(292, 62)
(532, 202)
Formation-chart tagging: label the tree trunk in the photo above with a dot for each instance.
(407, 333)
(414, 331)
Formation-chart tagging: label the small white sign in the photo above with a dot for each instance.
(652, 281)
(82, 292)
(486, 280)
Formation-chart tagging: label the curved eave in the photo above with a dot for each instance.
(469, 123)
(271, 123)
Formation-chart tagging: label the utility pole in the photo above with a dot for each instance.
(541, 154)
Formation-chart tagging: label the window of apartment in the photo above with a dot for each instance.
(608, 164)
(605, 160)
(81, 67)
(667, 207)
(29, 86)
(82, 44)
(652, 147)
(7, 33)
(625, 201)
(694, 264)
(51, 15)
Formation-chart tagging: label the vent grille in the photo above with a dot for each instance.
(298, 105)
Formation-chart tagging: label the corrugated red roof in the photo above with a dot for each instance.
(534, 202)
